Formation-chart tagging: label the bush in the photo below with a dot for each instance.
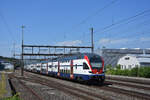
(15, 97)
(109, 69)
(118, 72)
(125, 72)
(144, 72)
(135, 72)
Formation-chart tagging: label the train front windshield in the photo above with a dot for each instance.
(96, 62)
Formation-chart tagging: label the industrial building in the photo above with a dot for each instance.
(6, 65)
(112, 56)
(131, 61)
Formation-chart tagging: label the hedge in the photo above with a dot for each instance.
(135, 72)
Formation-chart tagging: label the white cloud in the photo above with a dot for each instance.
(104, 41)
(112, 41)
(70, 43)
(144, 39)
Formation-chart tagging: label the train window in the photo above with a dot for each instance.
(50, 66)
(38, 66)
(85, 66)
(64, 71)
(96, 62)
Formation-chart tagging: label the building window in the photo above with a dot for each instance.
(124, 66)
(121, 66)
(127, 58)
(129, 66)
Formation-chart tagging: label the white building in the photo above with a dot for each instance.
(8, 66)
(111, 56)
(131, 61)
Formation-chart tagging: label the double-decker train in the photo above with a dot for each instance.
(80, 67)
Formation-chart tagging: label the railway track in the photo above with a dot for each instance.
(127, 79)
(126, 92)
(85, 95)
(123, 91)
(26, 87)
(137, 88)
(128, 84)
(109, 91)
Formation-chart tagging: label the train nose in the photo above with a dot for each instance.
(95, 71)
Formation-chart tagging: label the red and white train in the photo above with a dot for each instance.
(82, 67)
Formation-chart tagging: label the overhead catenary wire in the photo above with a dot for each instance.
(98, 11)
(128, 39)
(125, 37)
(121, 21)
(136, 27)
(131, 28)
(128, 22)
(130, 36)
(9, 32)
(91, 15)
(144, 23)
(7, 27)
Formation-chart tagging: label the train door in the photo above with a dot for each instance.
(41, 68)
(58, 74)
(71, 69)
(47, 68)
(52, 69)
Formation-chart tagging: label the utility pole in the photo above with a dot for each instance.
(14, 62)
(22, 61)
(92, 41)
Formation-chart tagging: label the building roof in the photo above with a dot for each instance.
(146, 60)
(141, 58)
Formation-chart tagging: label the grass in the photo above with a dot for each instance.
(15, 97)
(3, 90)
(9, 70)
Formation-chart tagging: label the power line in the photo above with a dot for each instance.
(138, 26)
(123, 20)
(7, 26)
(125, 23)
(101, 9)
(92, 15)
(135, 36)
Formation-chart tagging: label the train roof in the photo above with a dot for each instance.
(77, 56)
(71, 57)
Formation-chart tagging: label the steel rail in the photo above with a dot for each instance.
(68, 89)
(125, 92)
(29, 89)
(127, 84)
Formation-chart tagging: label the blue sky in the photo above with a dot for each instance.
(68, 22)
